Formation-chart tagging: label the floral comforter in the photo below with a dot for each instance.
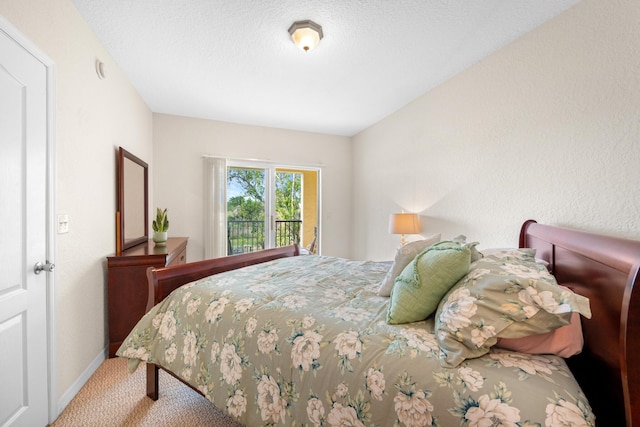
(303, 341)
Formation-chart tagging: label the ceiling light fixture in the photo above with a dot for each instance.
(306, 34)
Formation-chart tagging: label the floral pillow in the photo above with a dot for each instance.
(506, 294)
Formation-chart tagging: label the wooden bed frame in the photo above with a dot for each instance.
(163, 281)
(604, 269)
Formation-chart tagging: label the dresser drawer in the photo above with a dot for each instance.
(180, 258)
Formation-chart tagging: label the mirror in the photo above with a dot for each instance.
(132, 219)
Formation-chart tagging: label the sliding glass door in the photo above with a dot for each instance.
(247, 209)
(270, 206)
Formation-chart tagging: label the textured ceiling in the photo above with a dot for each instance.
(233, 60)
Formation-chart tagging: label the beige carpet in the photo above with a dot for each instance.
(113, 397)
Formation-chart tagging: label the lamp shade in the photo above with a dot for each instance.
(404, 223)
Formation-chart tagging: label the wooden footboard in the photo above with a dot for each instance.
(163, 281)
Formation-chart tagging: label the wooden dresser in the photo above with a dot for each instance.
(127, 283)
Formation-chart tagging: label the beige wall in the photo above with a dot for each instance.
(92, 118)
(180, 143)
(547, 128)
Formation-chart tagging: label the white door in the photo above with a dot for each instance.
(24, 199)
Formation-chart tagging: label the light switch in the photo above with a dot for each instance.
(63, 223)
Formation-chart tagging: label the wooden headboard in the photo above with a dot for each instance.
(605, 270)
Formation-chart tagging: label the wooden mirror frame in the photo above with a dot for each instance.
(124, 240)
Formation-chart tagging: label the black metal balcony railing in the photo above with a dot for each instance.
(248, 235)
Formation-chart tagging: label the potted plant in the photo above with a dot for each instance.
(160, 226)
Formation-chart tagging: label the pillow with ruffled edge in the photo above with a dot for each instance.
(504, 290)
(424, 281)
(404, 255)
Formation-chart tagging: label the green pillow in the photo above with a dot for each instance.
(425, 280)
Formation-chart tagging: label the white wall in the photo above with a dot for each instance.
(547, 128)
(93, 117)
(180, 143)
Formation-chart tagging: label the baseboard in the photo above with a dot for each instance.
(71, 392)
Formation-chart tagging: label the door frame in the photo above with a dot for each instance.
(12, 32)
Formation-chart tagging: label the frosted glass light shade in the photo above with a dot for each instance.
(306, 34)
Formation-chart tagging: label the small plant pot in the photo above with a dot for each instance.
(160, 238)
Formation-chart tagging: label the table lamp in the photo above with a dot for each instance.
(404, 223)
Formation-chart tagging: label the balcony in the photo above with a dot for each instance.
(248, 235)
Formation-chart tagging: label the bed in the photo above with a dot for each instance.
(276, 347)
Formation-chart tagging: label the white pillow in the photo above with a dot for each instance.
(404, 256)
